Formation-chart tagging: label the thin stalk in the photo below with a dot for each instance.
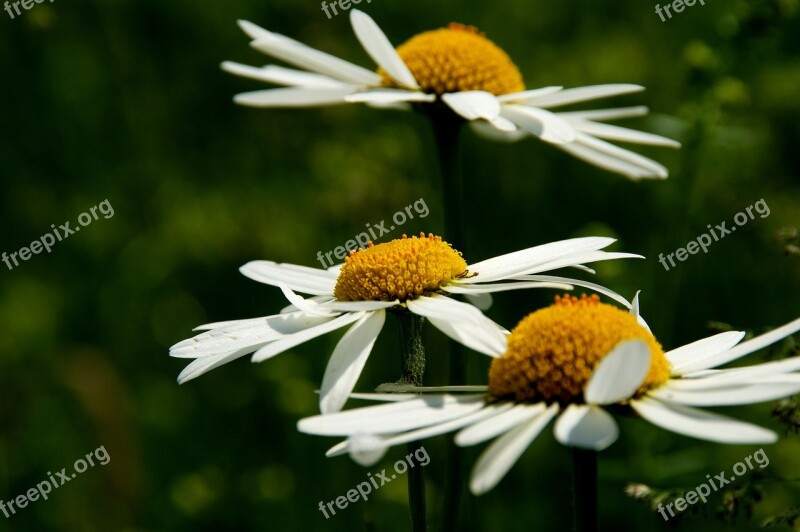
(446, 128)
(584, 489)
(413, 370)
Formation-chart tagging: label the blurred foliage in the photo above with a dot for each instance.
(125, 101)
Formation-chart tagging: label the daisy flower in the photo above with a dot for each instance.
(570, 361)
(458, 68)
(417, 274)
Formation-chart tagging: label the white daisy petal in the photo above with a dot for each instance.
(582, 94)
(282, 76)
(366, 449)
(524, 96)
(734, 395)
(298, 54)
(347, 361)
(205, 364)
(294, 97)
(244, 334)
(692, 357)
(443, 428)
(580, 258)
(461, 322)
(352, 306)
(288, 309)
(387, 96)
(737, 376)
(395, 417)
(299, 278)
(503, 453)
(503, 125)
(482, 301)
(649, 166)
(284, 344)
(577, 282)
(618, 375)
(540, 123)
(622, 134)
(379, 48)
(473, 105)
(606, 114)
(700, 424)
(487, 288)
(516, 263)
(305, 305)
(635, 311)
(491, 131)
(504, 419)
(607, 162)
(586, 427)
(752, 345)
(411, 389)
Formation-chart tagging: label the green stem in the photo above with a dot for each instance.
(413, 370)
(584, 489)
(446, 128)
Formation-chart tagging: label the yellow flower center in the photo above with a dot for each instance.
(401, 269)
(552, 352)
(455, 59)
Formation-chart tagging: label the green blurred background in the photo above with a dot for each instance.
(125, 101)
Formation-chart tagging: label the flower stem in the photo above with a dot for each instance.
(584, 489)
(446, 128)
(413, 370)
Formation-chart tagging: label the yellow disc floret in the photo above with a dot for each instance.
(458, 58)
(401, 269)
(552, 352)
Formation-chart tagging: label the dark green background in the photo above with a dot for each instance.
(125, 101)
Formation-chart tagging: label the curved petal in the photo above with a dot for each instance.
(347, 361)
(577, 282)
(379, 48)
(298, 54)
(700, 424)
(618, 375)
(461, 322)
(490, 131)
(482, 301)
(586, 427)
(473, 105)
(503, 453)
(540, 123)
(299, 278)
